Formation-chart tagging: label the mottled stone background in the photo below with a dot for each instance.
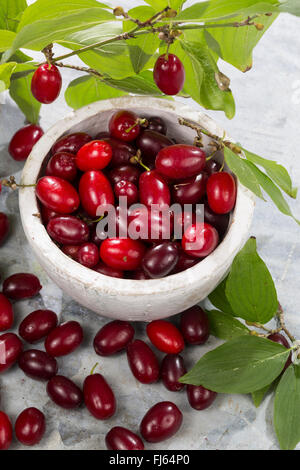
(267, 122)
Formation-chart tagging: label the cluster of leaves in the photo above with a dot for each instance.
(246, 362)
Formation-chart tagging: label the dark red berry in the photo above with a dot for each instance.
(199, 397)
(124, 173)
(200, 240)
(71, 143)
(219, 221)
(88, 255)
(150, 143)
(150, 225)
(99, 397)
(6, 431)
(127, 189)
(280, 339)
(37, 364)
(4, 227)
(221, 192)
(46, 83)
(37, 325)
(122, 152)
(102, 268)
(71, 251)
(184, 262)
(180, 161)
(124, 125)
(119, 438)
(157, 124)
(190, 191)
(64, 339)
(113, 337)
(122, 253)
(68, 230)
(194, 325)
(212, 166)
(64, 392)
(165, 336)
(143, 362)
(172, 368)
(57, 194)
(30, 426)
(47, 214)
(95, 191)
(169, 74)
(160, 260)
(161, 422)
(21, 286)
(94, 155)
(23, 141)
(6, 313)
(63, 166)
(10, 349)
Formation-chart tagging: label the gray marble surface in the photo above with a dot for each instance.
(267, 122)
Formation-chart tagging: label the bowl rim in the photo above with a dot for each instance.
(45, 247)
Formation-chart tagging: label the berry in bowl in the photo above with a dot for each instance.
(138, 221)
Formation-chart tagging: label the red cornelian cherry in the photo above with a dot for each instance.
(46, 83)
(191, 190)
(150, 143)
(113, 337)
(68, 229)
(71, 143)
(199, 240)
(125, 173)
(200, 397)
(30, 426)
(37, 325)
(94, 155)
(11, 347)
(157, 124)
(71, 251)
(160, 260)
(99, 397)
(161, 422)
(119, 438)
(95, 191)
(194, 325)
(127, 189)
(23, 141)
(219, 221)
(122, 152)
(88, 255)
(64, 339)
(6, 431)
(57, 194)
(184, 262)
(21, 286)
(169, 74)
(102, 268)
(4, 227)
(142, 362)
(221, 192)
(6, 313)
(165, 336)
(38, 365)
(124, 125)
(150, 225)
(48, 214)
(122, 253)
(63, 166)
(64, 392)
(172, 368)
(180, 161)
(154, 189)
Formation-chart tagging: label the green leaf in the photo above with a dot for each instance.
(143, 47)
(239, 167)
(259, 395)
(20, 91)
(290, 6)
(287, 409)
(142, 84)
(200, 81)
(218, 298)
(275, 171)
(225, 326)
(9, 11)
(6, 39)
(42, 32)
(250, 288)
(5, 74)
(272, 190)
(85, 90)
(242, 365)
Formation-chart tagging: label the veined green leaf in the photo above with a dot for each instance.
(9, 12)
(6, 39)
(5, 74)
(218, 298)
(287, 409)
(239, 167)
(225, 326)
(243, 365)
(20, 91)
(275, 171)
(290, 6)
(142, 84)
(250, 289)
(259, 395)
(85, 90)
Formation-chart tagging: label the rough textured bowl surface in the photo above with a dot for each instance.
(123, 298)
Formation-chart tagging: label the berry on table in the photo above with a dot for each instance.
(23, 141)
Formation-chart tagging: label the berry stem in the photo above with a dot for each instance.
(12, 184)
(93, 368)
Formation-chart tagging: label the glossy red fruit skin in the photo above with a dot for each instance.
(194, 325)
(71, 143)
(122, 152)
(122, 253)
(219, 221)
(221, 192)
(64, 339)
(212, 166)
(127, 189)
(99, 397)
(124, 173)
(11, 347)
(6, 313)
(142, 362)
(184, 262)
(160, 260)
(71, 251)
(6, 431)
(157, 124)
(161, 422)
(94, 155)
(122, 121)
(23, 141)
(113, 337)
(154, 189)
(169, 74)
(38, 365)
(30, 426)
(37, 325)
(63, 166)
(150, 143)
(200, 397)
(21, 286)
(88, 255)
(203, 239)
(95, 190)
(165, 336)
(102, 268)
(4, 227)
(280, 339)
(149, 225)
(180, 161)
(46, 83)
(172, 368)
(64, 392)
(119, 438)
(48, 214)
(68, 230)
(191, 190)
(57, 194)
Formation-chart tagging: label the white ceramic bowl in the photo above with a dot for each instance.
(123, 298)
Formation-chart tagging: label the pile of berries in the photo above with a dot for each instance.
(138, 161)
